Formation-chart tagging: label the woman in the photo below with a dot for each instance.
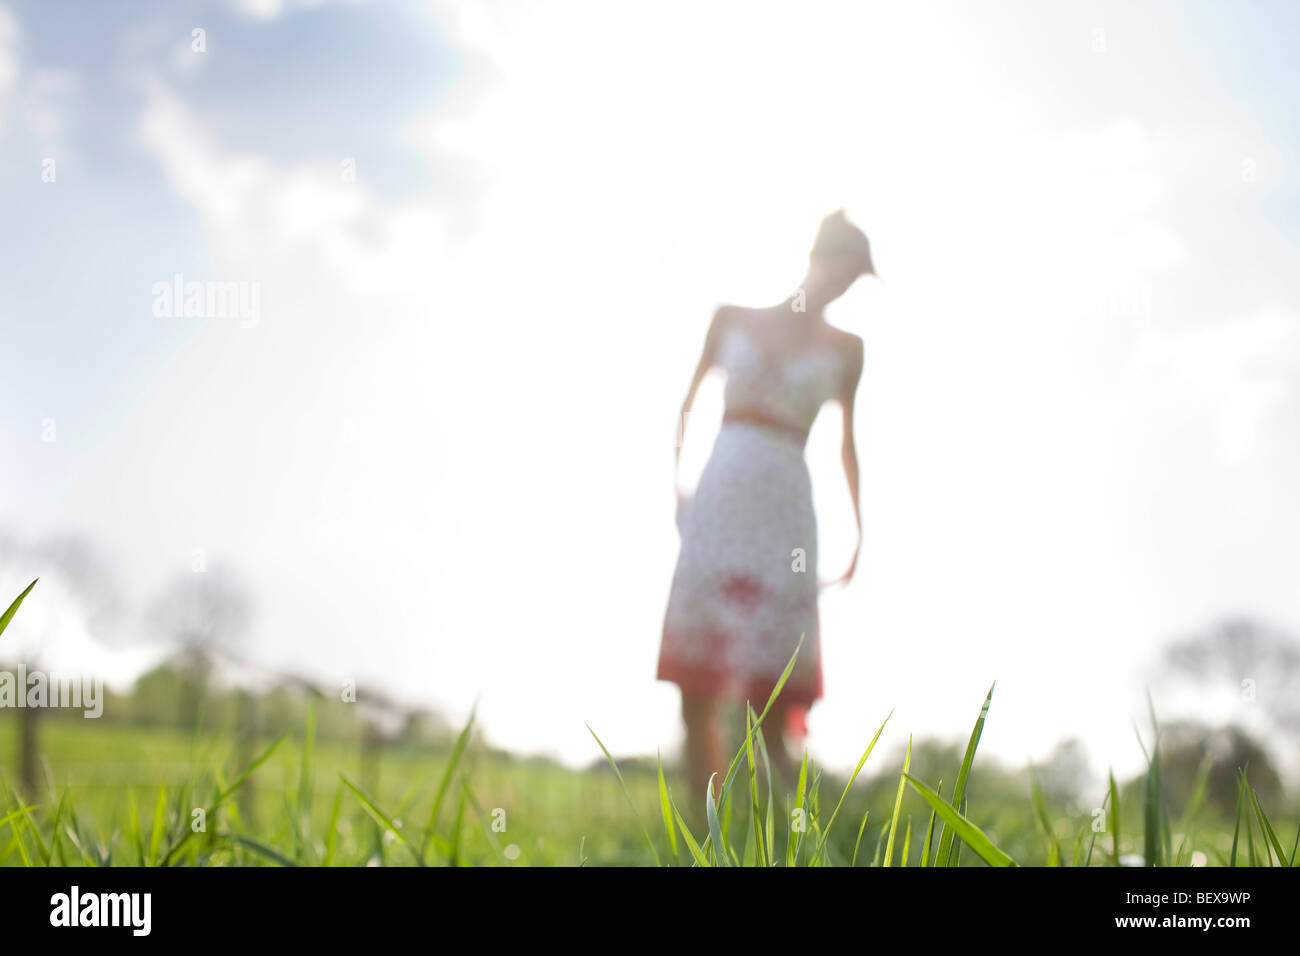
(745, 587)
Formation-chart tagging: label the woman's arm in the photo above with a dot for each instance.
(848, 448)
(708, 358)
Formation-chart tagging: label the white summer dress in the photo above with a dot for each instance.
(741, 597)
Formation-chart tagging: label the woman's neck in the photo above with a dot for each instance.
(799, 305)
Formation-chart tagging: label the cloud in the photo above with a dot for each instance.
(317, 211)
(446, 450)
(1247, 368)
(59, 626)
(8, 57)
(274, 9)
(40, 98)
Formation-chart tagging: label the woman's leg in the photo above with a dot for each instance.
(703, 742)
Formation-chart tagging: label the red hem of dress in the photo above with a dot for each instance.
(798, 698)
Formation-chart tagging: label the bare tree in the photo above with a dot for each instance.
(82, 577)
(1239, 671)
(201, 614)
(1259, 662)
(1066, 773)
(89, 575)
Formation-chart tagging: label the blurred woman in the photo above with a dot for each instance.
(745, 587)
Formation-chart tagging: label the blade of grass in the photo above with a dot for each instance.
(456, 829)
(11, 817)
(1195, 802)
(1250, 828)
(1092, 843)
(1076, 856)
(15, 818)
(970, 834)
(1250, 841)
(856, 770)
(762, 759)
(667, 808)
(760, 842)
(862, 827)
(796, 833)
(720, 853)
(726, 806)
(457, 751)
(382, 818)
(302, 832)
(1266, 829)
(692, 847)
(898, 803)
(644, 832)
(767, 771)
(8, 615)
(1114, 820)
(1152, 804)
(485, 818)
(776, 690)
(133, 829)
(331, 839)
(1044, 820)
(959, 790)
(262, 850)
(771, 830)
(42, 850)
(929, 830)
(749, 855)
(159, 822)
(223, 796)
(1236, 827)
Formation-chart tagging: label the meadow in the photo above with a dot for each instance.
(115, 795)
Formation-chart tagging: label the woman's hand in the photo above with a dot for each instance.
(844, 579)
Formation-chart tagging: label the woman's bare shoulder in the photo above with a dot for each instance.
(847, 344)
(725, 318)
(729, 317)
(732, 314)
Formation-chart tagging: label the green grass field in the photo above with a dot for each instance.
(109, 781)
(128, 796)
(118, 794)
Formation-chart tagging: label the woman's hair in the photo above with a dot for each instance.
(837, 237)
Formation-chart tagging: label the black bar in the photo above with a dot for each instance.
(266, 904)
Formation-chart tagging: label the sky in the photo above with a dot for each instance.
(486, 240)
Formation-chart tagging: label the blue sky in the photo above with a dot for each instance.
(1248, 50)
(338, 80)
(443, 454)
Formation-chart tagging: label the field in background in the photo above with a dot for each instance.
(102, 792)
(103, 770)
(120, 795)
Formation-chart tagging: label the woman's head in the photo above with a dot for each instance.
(840, 254)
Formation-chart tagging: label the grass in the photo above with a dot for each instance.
(158, 797)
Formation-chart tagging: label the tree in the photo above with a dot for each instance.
(1239, 671)
(1066, 774)
(79, 596)
(1238, 682)
(201, 614)
(1183, 748)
